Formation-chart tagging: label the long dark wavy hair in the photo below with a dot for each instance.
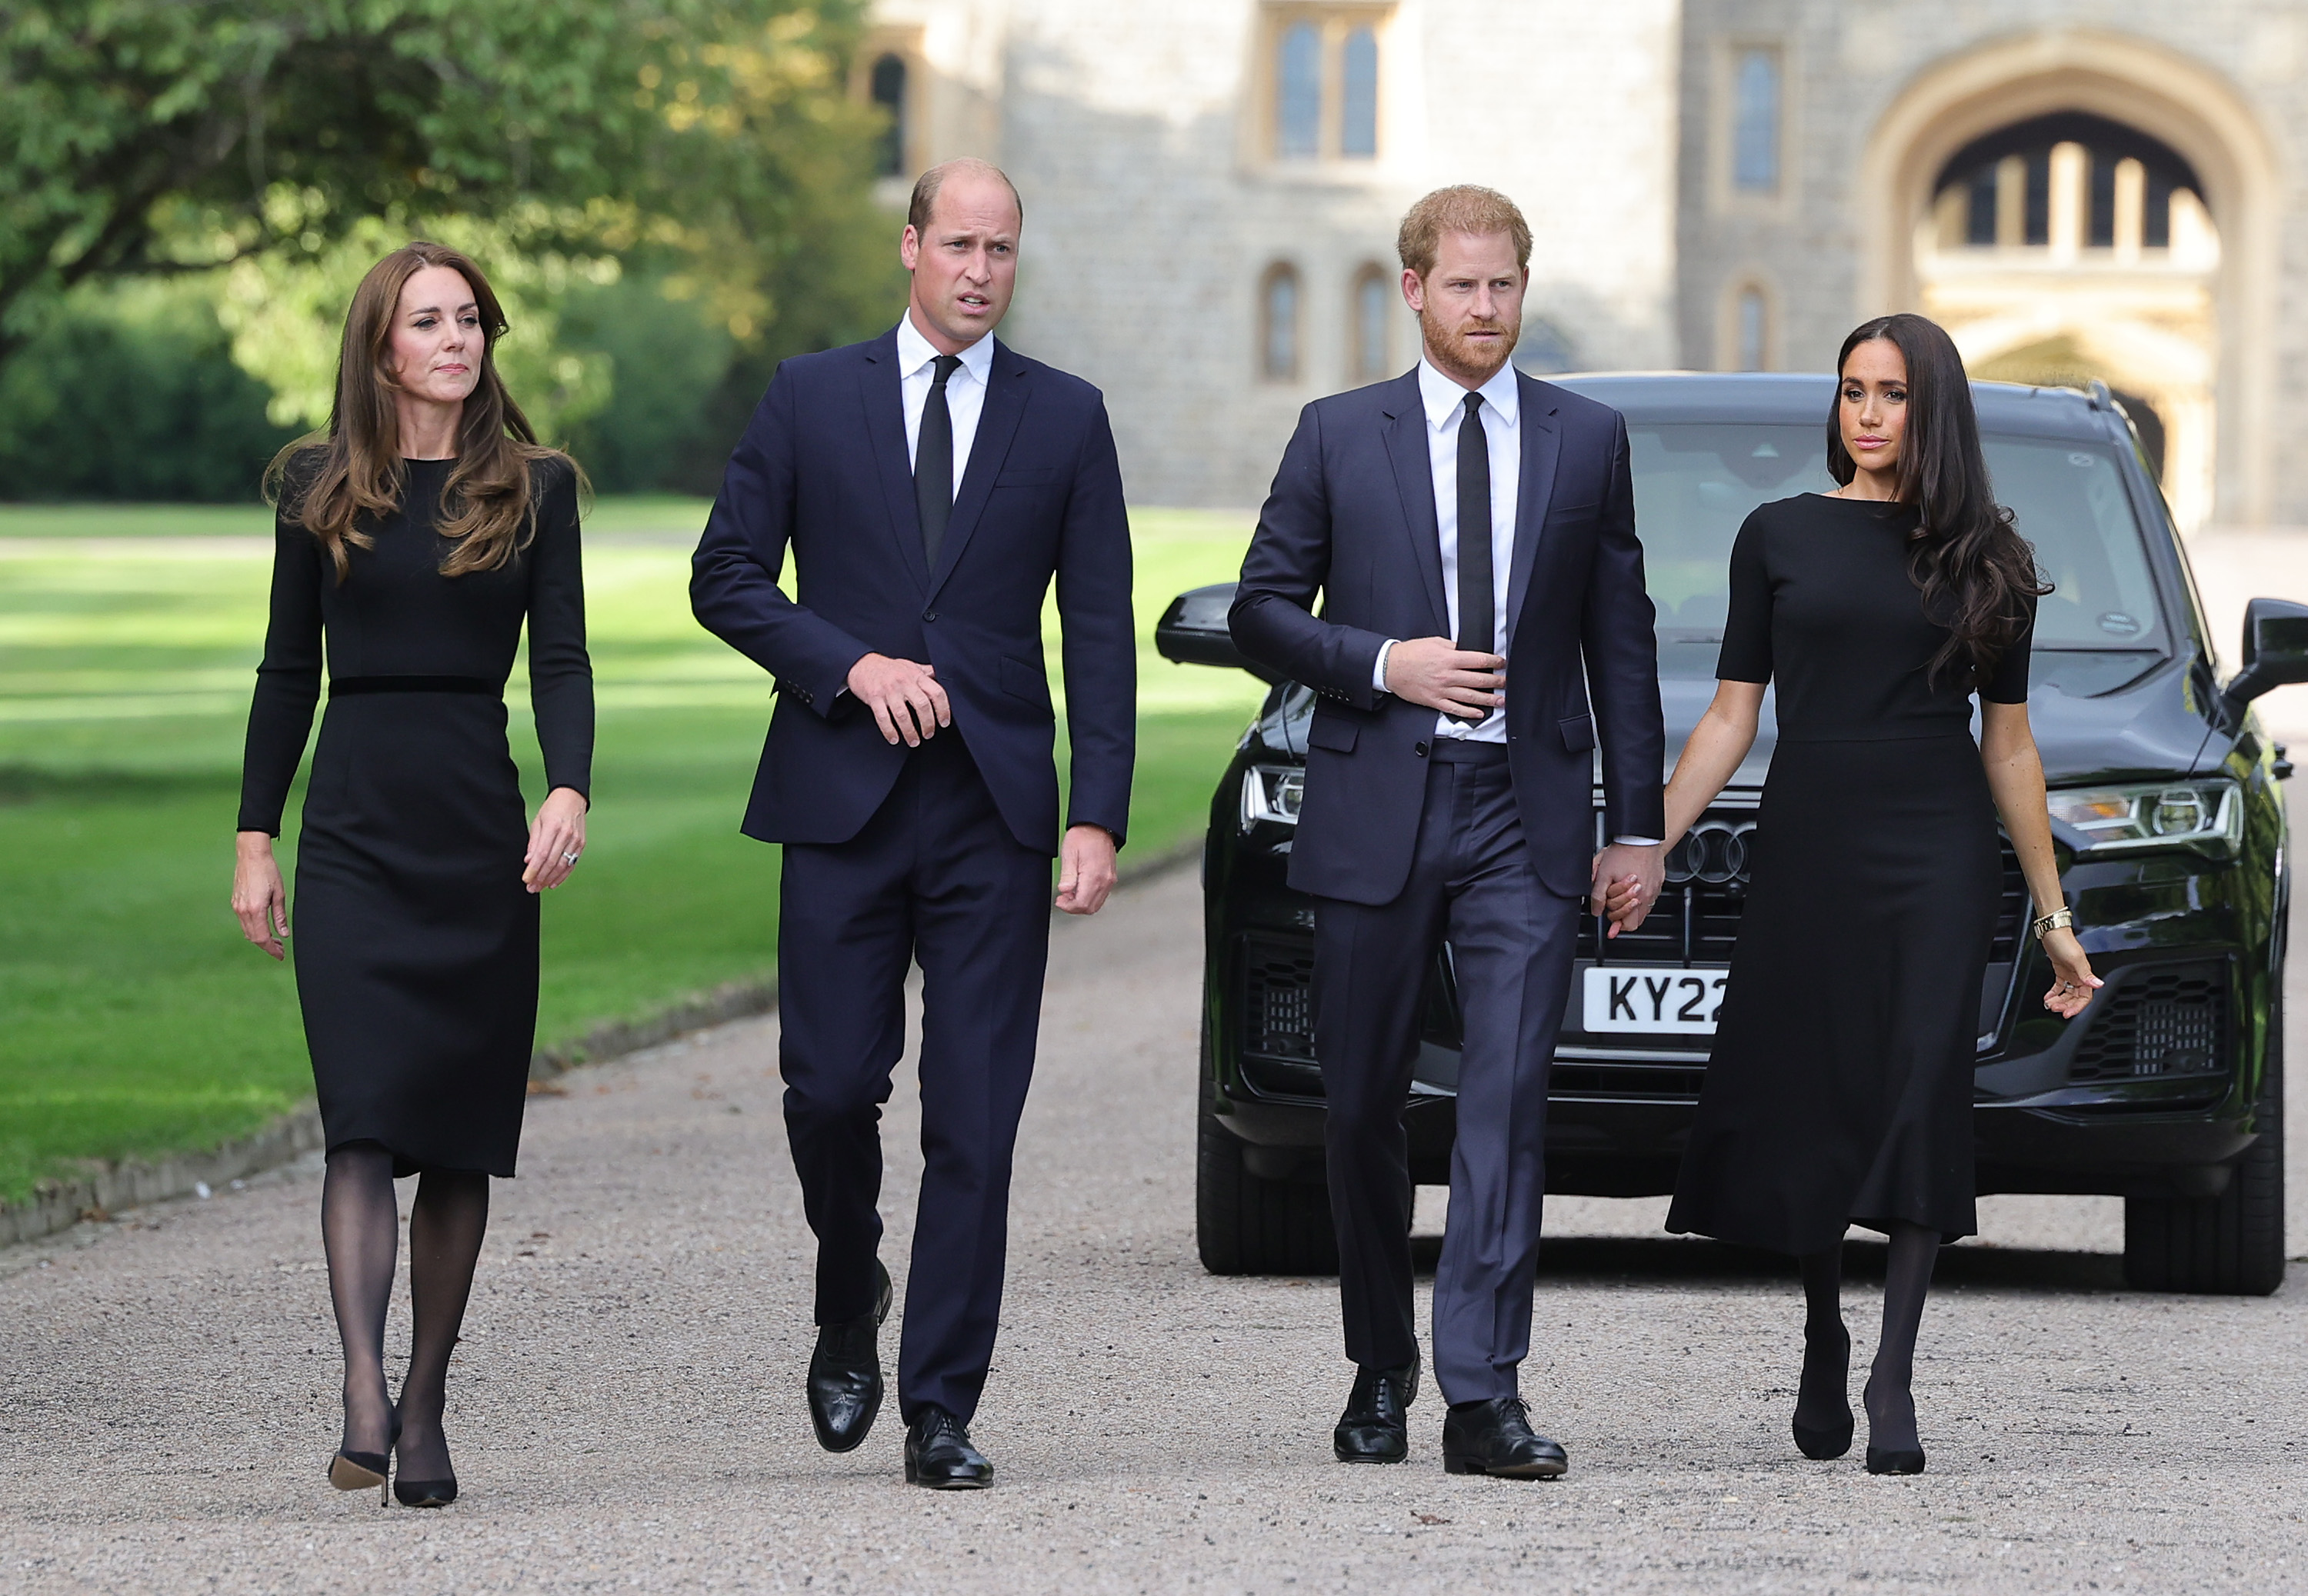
(1976, 573)
(329, 481)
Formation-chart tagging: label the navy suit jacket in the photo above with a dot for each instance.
(1351, 518)
(823, 468)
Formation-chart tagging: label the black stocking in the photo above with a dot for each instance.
(1824, 1401)
(445, 1226)
(1906, 1278)
(360, 1230)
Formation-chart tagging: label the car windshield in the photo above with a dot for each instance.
(1696, 482)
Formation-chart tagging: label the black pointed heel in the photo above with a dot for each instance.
(425, 1493)
(1895, 1461)
(1821, 1444)
(365, 1470)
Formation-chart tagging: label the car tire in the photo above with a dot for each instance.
(2231, 1245)
(1245, 1224)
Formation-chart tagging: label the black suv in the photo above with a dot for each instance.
(2170, 828)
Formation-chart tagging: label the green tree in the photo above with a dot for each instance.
(710, 141)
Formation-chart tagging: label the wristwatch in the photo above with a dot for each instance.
(2057, 920)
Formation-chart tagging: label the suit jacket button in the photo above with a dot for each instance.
(929, 614)
(1419, 749)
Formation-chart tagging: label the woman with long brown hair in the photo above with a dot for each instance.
(413, 540)
(1838, 1091)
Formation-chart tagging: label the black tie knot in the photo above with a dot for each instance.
(1474, 402)
(947, 364)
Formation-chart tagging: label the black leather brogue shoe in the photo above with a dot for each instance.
(845, 1374)
(1496, 1437)
(938, 1454)
(1374, 1428)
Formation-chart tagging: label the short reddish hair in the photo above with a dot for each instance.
(1462, 207)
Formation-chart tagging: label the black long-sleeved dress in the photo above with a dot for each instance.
(1839, 1090)
(415, 942)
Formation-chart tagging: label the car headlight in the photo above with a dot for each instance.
(2207, 816)
(1271, 792)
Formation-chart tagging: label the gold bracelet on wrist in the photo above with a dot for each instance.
(2057, 920)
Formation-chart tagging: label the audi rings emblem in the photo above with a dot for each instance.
(1714, 852)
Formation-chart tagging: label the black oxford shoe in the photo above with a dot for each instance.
(845, 1374)
(1496, 1437)
(1374, 1429)
(938, 1454)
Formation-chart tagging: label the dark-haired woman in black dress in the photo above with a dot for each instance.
(1840, 1089)
(413, 542)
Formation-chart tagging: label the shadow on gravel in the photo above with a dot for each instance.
(1601, 1261)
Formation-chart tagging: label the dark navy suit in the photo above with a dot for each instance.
(941, 853)
(1407, 841)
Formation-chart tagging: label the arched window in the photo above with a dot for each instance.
(2112, 185)
(1755, 122)
(1298, 92)
(1374, 299)
(1278, 323)
(888, 90)
(1752, 334)
(1358, 124)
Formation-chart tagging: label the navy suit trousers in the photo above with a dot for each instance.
(1471, 883)
(937, 876)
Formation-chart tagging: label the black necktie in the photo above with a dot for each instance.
(1476, 635)
(934, 461)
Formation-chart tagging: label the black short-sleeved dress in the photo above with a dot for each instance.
(1840, 1085)
(415, 942)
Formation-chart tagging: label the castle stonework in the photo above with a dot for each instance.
(2079, 189)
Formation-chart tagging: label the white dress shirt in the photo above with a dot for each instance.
(1444, 402)
(965, 390)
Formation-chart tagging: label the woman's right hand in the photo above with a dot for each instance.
(258, 896)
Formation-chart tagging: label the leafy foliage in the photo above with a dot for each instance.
(712, 142)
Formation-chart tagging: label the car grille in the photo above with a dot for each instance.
(2160, 1020)
(1277, 998)
(1697, 920)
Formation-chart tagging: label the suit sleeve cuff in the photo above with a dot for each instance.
(1378, 668)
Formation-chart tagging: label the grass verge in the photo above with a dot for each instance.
(140, 1024)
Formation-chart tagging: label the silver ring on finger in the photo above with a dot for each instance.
(569, 859)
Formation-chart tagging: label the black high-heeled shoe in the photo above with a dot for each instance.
(360, 1470)
(1896, 1460)
(422, 1493)
(1822, 1443)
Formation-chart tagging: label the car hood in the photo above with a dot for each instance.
(2091, 723)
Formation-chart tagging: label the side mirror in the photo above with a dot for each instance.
(1193, 631)
(2275, 649)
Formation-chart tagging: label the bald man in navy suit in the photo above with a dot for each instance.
(931, 485)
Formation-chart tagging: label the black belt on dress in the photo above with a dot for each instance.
(352, 686)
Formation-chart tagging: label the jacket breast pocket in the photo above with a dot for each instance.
(1329, 732)
(1023, 679)
(1578, 733)
(1037, 477)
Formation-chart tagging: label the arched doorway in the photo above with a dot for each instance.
(1987, 187)
(2070, 247)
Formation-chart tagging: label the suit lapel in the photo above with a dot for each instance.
(1413, 482)
(997, 423)
(1542, 440)
(885, 425)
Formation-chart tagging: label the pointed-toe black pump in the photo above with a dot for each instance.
(365, 1470)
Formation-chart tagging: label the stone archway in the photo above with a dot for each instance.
(2174, 99)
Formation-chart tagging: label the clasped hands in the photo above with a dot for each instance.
(911, 707)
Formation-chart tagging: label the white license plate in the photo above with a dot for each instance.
(1655, 1000)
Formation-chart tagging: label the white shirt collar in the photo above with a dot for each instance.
(1440, 395)
(914, 351)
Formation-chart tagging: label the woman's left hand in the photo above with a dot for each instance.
(557, 838)
(2072, 982)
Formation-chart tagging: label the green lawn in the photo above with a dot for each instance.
(138, 1021)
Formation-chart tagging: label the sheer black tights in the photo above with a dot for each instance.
(1822, 1403)
(360, 1229)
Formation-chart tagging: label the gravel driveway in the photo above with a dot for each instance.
(627, 1411)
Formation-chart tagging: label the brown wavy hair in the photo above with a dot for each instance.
(1975, 571)
(332, 481)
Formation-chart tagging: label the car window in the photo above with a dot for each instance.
(1696, 482)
